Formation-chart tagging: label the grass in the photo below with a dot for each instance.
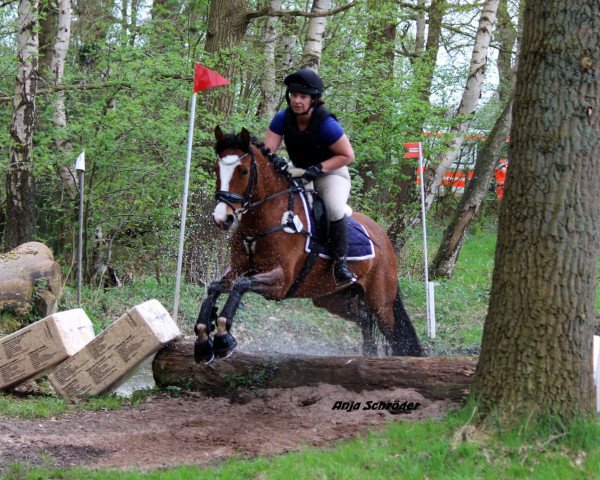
(46, 405)
(408, 450)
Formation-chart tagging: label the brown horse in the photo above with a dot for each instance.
(259, 199)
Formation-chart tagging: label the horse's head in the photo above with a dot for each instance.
(236, 176)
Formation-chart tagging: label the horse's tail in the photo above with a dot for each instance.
(405, 341)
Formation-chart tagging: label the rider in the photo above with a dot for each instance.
(316, 142)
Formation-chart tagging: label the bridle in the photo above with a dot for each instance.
(229, 198)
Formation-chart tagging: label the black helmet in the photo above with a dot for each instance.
(304, 81)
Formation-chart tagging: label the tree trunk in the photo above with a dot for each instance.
(270, 91)
(226, 27)
(434, 378)
(506, 35)
(30, 282)
(470, 204)
(57, 63)
(313, 46)
(466, 110)
(47, 36)
(537, 339)
(20, 185)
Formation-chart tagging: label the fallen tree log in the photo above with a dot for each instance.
(30, 284)
(434, 377)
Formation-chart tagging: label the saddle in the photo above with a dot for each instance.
(360, 246)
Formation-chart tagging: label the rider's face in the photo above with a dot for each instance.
(300, 102)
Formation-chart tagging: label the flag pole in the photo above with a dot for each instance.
(80, 169)
(186, 184)
(428, 288)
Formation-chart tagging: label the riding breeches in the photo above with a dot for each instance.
(334, 188)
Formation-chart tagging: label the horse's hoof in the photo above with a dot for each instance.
(204, 351)
(224, 345)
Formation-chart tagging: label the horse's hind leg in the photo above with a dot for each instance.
(394, 322)
(349, 305)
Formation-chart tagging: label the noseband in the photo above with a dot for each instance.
(229, 198)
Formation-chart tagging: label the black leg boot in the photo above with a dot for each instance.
(338, 237)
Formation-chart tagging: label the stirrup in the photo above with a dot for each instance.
(224, 345)
(204, 351)
(341, 272)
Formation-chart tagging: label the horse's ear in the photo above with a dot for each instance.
(218, 133)
(245, 137)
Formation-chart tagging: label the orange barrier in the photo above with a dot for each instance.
(456, 180)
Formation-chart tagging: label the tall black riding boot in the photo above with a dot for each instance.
(338, 238)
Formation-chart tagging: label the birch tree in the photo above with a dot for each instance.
(59, 117)
(57, 63)
(270, 90)
(537, 339)
(311, 56)
(20, 183)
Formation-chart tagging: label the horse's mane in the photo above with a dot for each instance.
(279, 163)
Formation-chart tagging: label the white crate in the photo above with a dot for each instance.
(34, 349)
(139, 333)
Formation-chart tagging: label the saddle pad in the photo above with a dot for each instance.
(360, 246)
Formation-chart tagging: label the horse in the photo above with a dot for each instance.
(265, 208)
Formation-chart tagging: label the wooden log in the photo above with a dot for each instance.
(30, 282)
(434, 377)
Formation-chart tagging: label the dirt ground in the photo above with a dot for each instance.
(193, 429)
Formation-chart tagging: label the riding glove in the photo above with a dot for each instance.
(313, 172)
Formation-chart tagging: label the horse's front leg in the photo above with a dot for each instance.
(270, 284)
(203, 348)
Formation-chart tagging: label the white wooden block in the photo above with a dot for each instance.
(34, 349)
(139, 333)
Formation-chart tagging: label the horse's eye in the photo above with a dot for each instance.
(244, 171)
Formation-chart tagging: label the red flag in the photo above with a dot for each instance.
(206, 78)
(413, 150)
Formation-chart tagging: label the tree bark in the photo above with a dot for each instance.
(57, 63)
(537, 339)
(506, 34)
(470, 204)
(226, 27)
(434, 378)
(20, 184)
(313, 46)
(270, 91)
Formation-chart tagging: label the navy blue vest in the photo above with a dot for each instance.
(304, 147)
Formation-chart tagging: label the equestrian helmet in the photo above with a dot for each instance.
(304, 81)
